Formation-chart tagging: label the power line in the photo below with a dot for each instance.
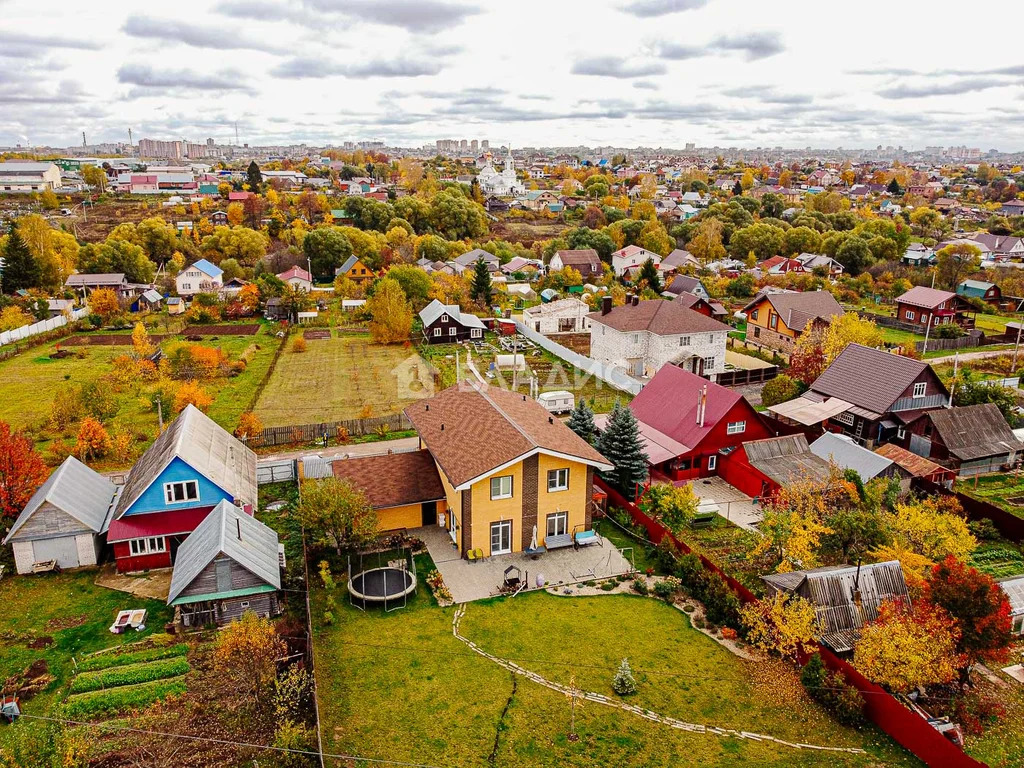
(231, 743)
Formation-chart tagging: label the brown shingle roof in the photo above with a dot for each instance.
(393, 480)
(471, 431)
(583, 257)
(664, 318)
(870, 378)
(797, 309)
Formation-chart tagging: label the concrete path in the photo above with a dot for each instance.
(969, 356)
(647, 714)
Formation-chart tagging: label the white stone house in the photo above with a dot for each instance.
(632, 256)
(642, 336)
(201, 277)
(562, 316)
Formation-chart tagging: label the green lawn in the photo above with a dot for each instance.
(75, 614)
(335, 379)
(400, 686)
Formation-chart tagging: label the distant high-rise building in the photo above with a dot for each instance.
(474, 145)
(690, 146)
(463, 145)
(485, 144)
(209, 142)
(172, 150)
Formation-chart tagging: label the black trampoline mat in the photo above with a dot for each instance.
(372, 583)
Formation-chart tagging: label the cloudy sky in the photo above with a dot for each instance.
(745, 73)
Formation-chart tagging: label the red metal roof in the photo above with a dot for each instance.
(167, 523)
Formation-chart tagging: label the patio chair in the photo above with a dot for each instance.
(474, 555)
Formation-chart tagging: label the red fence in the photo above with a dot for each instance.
(906, 727)
(1009, 525)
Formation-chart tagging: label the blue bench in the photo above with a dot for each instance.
(586, 538)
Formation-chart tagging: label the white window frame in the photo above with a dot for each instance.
(453, 331)
(684, 341)
(712, 462)
(709, 363)
(845, 418)
(147, 546)
(909, 315)
(185, 486)
(502, 494)
(901, 432)
(475, 333)
(501, 524)
(559, 478)
(444, 318)
(636, 338)
(919, 389)
(437, 331)
(735, 427)
(561, 524)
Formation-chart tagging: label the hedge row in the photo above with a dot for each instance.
(129, 675)
(119, 700)
(119, 659)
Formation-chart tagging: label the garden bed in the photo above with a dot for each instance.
(222, 330)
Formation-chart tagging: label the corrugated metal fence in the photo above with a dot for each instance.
(26, 331)
(609, 374)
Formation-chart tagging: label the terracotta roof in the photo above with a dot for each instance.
(867, 377)
(473, 431)
(918, 466)
(923, 296)
(664, 318)
(393, 480)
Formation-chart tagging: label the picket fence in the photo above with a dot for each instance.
(609, 374)
(905, 727)
(51, 324)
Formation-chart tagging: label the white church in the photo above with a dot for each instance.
(503, 184)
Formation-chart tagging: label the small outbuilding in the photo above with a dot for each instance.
(971, 439)
(846, 453)
(64, 520)
(227, 566)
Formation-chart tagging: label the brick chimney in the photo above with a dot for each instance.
(606, 305)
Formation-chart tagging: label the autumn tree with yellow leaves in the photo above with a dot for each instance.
(782, 624)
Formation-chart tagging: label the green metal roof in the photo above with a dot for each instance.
(262, 589)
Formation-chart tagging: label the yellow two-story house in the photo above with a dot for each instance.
(514, 477)
(777, 319)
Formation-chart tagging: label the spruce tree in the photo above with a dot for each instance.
(649, 272)
(620, 443)
(737, 188)
(481, 282)
(623, 682)
(254, 178)
(20, 270)
(894, 187)
(581, 421)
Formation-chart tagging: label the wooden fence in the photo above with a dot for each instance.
(300, 434)
(742, 376)
(972, 339)
(906, 727)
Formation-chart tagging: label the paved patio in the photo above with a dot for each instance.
(154, 584)
(474, 581)
(734, 505)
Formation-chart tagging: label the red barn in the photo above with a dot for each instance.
(689, 423)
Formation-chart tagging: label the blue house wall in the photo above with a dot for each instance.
(153, 500)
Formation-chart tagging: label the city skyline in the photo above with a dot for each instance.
(655, 73)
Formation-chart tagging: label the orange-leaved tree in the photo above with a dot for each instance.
(22, 470)
(192, 393)
(93, 440)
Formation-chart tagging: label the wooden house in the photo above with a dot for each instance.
(193, 466)
(447, 324)
(778, 319)
(970, 439)
(65, 519)
(229, 565)
(354, 270)
(761, 468)
(922, 306)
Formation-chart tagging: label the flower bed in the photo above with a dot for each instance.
(118, 700)
(130, 674)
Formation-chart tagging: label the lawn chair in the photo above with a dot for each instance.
(475, 555)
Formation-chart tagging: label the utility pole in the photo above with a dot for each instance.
(927, 331)
(84, 145)
(1016, 347)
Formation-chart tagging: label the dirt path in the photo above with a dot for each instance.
(343, 451)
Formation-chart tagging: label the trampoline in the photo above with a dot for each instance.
(389, 583)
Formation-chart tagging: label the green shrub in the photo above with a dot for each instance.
(120, 658)
(130, 674)
(664, 590)
(118, 700)
(832, 691)
(608, 586)
(640, 586)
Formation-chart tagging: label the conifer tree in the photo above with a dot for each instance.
(254, 178)
(623, 682)
(20, 270)
(481, 282)
(649, 272)
(581, 421)
(620, 443)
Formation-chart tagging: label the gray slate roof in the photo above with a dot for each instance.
(974, 431)
(435, 309)
(846, 454)
(152, 296)
(205, 446)
(786, 459)
(349, 263)
(867, 377)
(1014, 589)
(106, 278)
(470, 258)
(230, 531)
(831, 590)
(73, 488)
